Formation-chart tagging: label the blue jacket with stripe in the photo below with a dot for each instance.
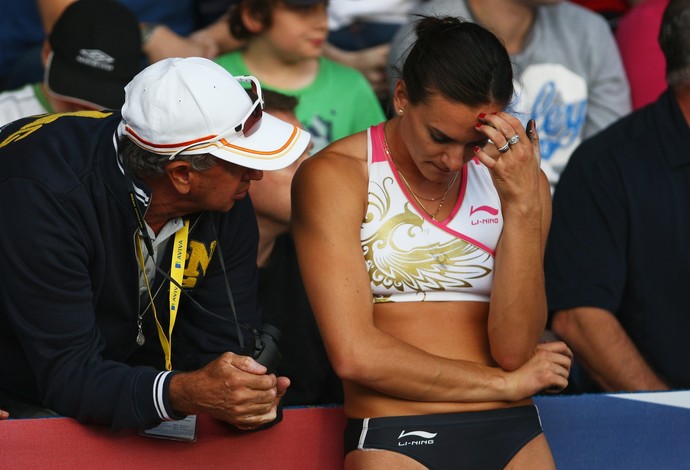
(69, 296)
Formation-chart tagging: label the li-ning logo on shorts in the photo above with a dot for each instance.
(426, 438)
(486, 220)
(96, 58)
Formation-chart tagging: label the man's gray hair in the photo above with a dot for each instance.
(674, 39)
(142, 163)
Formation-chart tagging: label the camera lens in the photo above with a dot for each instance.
(272, 331)
(266, 351)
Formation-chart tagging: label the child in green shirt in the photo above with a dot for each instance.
(284, 42)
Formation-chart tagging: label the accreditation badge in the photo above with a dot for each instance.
(179, 430)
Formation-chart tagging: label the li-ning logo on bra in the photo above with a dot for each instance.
(486, 220)
(488, 209)
(426, 438)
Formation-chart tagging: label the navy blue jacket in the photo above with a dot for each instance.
(70, 295)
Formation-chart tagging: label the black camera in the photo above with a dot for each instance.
(266, 350)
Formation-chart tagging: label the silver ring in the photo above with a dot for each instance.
(505, 148)
(514, 140)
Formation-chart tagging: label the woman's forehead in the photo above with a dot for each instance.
(445, 114)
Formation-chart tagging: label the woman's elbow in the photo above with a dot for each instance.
(349, 366)
(510, 359)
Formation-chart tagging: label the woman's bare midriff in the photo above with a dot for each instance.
(455, 330)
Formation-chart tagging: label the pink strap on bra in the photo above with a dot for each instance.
(378, 153)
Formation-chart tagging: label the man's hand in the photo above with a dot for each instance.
(4, 414)
(165, 43)
(605, 350)
(232, 388)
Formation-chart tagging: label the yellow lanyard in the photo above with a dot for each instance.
(176, 274)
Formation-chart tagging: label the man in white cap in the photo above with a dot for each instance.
(130, 252)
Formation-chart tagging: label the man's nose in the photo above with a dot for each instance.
(255, 174)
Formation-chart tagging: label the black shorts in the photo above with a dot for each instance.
(469, 440)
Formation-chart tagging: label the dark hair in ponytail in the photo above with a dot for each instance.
(458, 59)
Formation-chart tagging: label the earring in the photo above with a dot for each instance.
(400, 111)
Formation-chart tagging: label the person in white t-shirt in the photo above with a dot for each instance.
(360, 34)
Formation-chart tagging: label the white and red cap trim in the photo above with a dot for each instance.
(194, 106)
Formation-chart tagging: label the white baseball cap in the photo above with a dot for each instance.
(193, 106)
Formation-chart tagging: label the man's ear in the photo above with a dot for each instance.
(180, 175)
(45, 52)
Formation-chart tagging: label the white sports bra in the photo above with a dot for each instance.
(412, 258)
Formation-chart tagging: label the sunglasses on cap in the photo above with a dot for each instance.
(246, 126)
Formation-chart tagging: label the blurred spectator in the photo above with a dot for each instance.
(569, 75)
(637, 37)
(283, 300)
(360, 34)
(21, 37)
(617, 258)
(356, 25)
(91, 54)
(284, 50)
(180, 28)
(612, 10)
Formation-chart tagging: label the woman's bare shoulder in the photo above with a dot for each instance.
(345, 156)
(334, 181)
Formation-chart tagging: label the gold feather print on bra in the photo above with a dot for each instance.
(401, 255)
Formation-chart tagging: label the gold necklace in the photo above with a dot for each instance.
(409, 188)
